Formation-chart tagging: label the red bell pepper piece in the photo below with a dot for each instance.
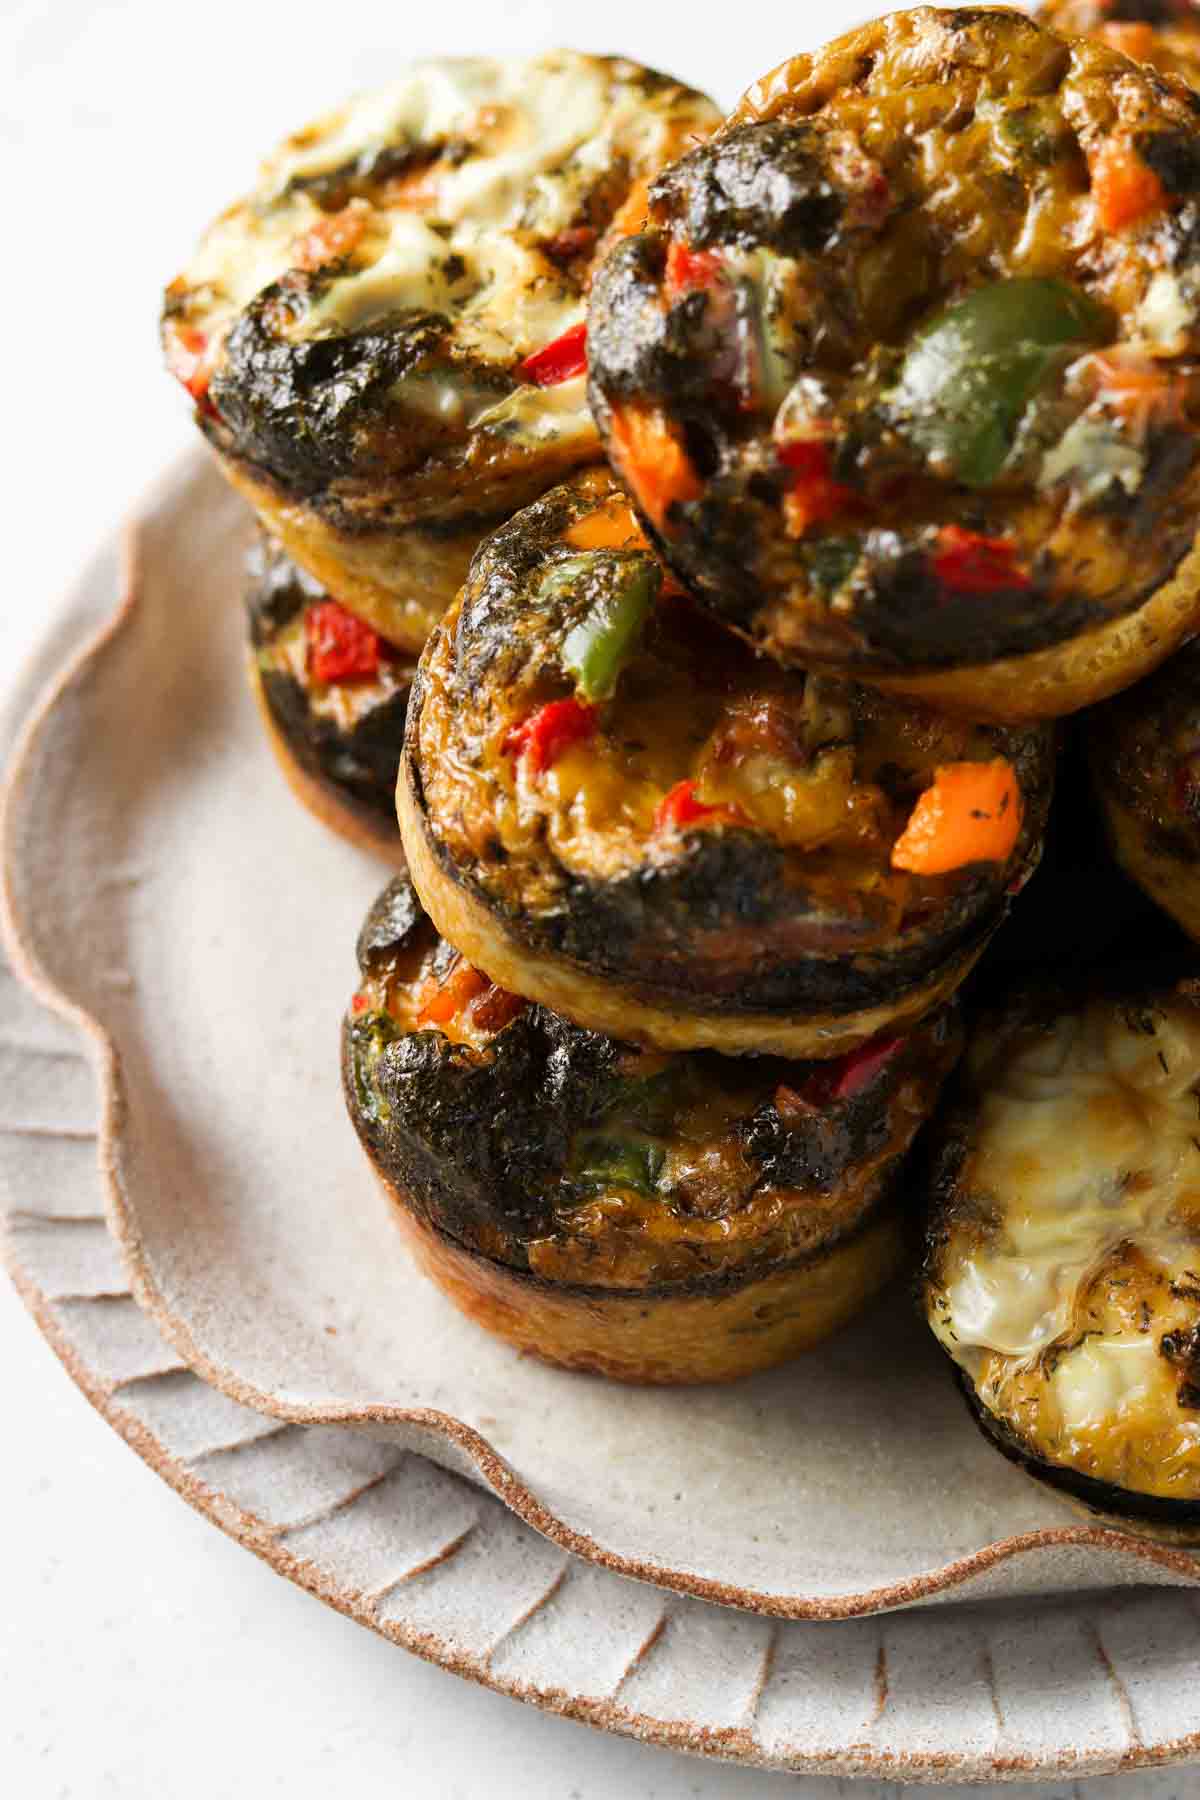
(837, 1082)
(858, 1070)
(340, 647)
(814, 496)
(970, 563)
(187, 359)
(808, 458)
(553, 728)
(689, 270)
(679, 809)
(560, 360)
(360, 1003)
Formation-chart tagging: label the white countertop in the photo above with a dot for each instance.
(142, 1653)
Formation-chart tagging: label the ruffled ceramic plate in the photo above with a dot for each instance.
(184, 922)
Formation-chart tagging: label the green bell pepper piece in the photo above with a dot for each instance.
(622, 587)
(370, 1035)
(648, 1102)
(604, 1161)
(970, 374)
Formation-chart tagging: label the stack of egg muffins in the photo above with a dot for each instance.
(682, 541)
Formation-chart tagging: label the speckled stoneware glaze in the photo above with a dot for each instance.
(191, 1221)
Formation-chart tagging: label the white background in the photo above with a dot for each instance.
(141, 1653)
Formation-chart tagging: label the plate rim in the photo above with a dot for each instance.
(734, 1745)
(492, 1469)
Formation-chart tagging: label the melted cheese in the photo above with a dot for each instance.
(1085, 1173)
(505, 299)
(1091, 455)
(1103, 1379)
(543, 110)
(1165, 317)
(541, 415)
(517, 146)
(239, 256)
(409, 276)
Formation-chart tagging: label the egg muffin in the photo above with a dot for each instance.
(1144, 751)
(901, 372)
(651, 1218)
(1064, 1248)
(613, 807)
(385, 338)
(332, 695)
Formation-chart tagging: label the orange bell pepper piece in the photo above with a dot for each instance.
(612, 526)
(1126, 189)
(652, 461)
(1136, 40)
(630, 216)
(442, 1001)
(972, 813)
